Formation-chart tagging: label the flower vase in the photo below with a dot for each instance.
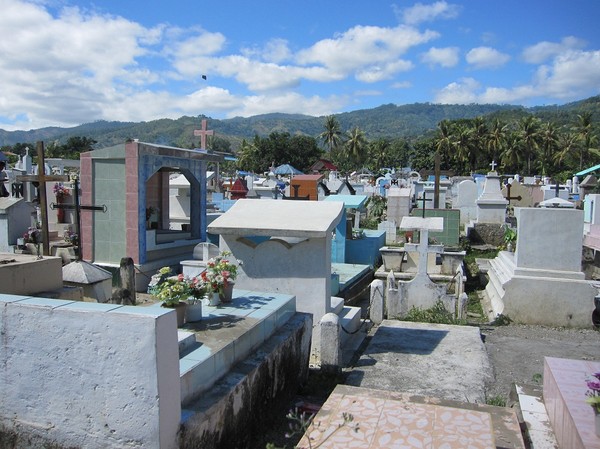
(226, 293)
(60, 213)
(180, 311)
(597, 422)
(193, 312)
(213, 299)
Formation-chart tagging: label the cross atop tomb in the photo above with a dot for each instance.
(203, 132)
(423, 225)
(41, 178)
(493, 165)
(557, 189)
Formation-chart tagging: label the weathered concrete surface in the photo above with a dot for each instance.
(253, 393)
(437, 360)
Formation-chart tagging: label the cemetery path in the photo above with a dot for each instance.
(517, 352)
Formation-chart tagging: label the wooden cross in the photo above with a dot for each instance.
(41, 178)
(77, 207)
(203, 132)
(493, 164)
(508, 197)
(436, 188)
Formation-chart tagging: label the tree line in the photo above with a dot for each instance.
(526, 145)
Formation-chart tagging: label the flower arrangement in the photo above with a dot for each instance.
(593, 393)
(32, 235)
(171, 289)
(219, 272)
(71, 237)
(60, 190)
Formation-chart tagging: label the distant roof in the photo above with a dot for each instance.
(588, 170)
(323, 164)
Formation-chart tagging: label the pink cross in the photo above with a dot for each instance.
(203, 133)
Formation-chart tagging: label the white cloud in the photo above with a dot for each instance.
(459, 92)
(420, 12)
(542, 51)
(288, 102)
(572, 75)
(486, 58)
(402, 85)
(363, 46)
(276, 51)
(445, 57)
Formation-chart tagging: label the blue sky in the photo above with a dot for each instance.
(67, 62)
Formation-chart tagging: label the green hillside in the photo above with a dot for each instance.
(386, 121)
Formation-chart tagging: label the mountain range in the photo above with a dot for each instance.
(386, 121)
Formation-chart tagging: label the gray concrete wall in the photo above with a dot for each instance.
(83, 375)
(243, 402)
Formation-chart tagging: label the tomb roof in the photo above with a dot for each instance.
(350, 201)
(279, 218)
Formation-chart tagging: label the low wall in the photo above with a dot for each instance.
(85, 375)
(241, 405)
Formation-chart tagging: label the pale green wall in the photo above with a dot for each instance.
(109, 227)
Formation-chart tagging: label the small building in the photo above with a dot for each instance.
(132, 181)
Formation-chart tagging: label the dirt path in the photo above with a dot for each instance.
(517, 352)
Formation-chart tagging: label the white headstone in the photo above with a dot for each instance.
(466, 201)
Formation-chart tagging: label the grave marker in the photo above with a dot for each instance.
(41, 178)
(203, 132)
(77, 207)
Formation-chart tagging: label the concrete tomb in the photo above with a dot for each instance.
(542, 282)
(465, 201)
(398, 204)
(420, 292)
(491, 205)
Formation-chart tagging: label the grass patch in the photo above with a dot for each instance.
(436, 314)
(498, 401)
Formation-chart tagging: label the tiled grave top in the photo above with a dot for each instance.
(227, 334)
(384, 422)
(279, 218)
(564, 395)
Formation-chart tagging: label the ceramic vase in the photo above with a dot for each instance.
(193, 312)
(226, 294)
(213, 299)
(180, 310)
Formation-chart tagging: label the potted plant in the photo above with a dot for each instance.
(510, 238)
(193, 310)
(593, 398)
(60, 191)
(219, 277)
(171, 291)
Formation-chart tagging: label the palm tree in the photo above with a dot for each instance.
(332, 136)
(548, 141)
(586, 137)
(463, 145)
(567, 142)
(513, 153)
(496, 139)
(528, 130)
(479, 138)
(355, 146)
(444, 138)
(378, 154)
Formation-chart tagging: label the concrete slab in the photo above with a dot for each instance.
(442, 361)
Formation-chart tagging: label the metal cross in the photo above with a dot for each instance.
(77, 207)
(508, 197)
(423, 199)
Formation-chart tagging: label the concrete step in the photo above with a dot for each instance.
(535, 417)
(337, 304)
(350, 322)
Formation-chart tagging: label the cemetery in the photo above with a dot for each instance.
(146, 304)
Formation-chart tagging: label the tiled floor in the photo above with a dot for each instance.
(380, 422)
(564, 395)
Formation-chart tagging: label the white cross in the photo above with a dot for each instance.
(493, 164)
